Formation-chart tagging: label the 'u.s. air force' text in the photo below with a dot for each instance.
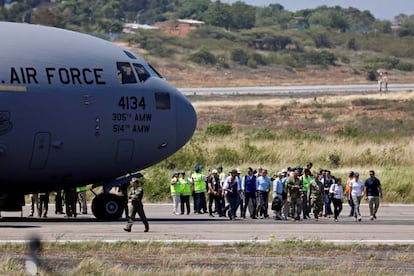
(53, 75)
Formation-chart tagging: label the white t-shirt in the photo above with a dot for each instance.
(356, 187)
(337, 190)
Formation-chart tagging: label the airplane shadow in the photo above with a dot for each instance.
(18, 226)
(94, 220)
(184, 220)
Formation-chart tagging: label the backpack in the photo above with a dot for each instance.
(276, 204)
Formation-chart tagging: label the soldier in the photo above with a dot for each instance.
(135, 195)
(58, 202)
(82, 200)
(316, 195)
(34, 200)
(70, 202)
(43, 205)
(294, 185)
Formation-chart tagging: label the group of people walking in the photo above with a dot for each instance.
(297, 193)
(68, 200)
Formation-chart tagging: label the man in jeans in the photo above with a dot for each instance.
(250, 192)
(373, 193)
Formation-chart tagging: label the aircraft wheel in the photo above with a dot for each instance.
(107, 206)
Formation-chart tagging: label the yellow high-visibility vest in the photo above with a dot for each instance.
(185, 186)
(199, 183)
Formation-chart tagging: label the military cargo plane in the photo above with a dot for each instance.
(76, 109)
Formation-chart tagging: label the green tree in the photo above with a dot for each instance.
(193, 9)
(240, 56)
(274, 14)
(242, 16)
(382, 26)
(329, 18)
(218, 14)
(44, 16)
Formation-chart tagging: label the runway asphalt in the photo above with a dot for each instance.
(394, 225)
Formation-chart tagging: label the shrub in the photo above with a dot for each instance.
(156, 184)
(405, 66)
(219, 129)
(265, 134)
(372, 75)
(203, 56)
(380, 62)
(349, 132)
(345, 59)
(240, 56)
(320, 58)
(334, 160)
(258, 59)
(226, 155)
(352, 44)
(321, 40)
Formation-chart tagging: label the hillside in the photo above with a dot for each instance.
(189, 74)
(240, 44)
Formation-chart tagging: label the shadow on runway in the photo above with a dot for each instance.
(198, 220)
(18, 226)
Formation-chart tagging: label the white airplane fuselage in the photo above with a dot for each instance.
(68, 117)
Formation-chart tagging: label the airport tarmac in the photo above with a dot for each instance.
(394, 225)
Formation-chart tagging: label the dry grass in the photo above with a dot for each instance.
(337, 132)
(273, 258)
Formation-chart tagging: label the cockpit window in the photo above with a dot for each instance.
(142, 73)
(155, 71)
(125, 73)
(162, 101)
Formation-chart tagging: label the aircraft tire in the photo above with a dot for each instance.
(107, 206)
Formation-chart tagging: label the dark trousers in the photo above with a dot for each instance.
(58, 202)
(43, 205)
(305, 207)
(247, 197)
(351, 205)
(327, 200)
(137, 208)
(337, 203)
(200, 202)
(185, 203)
(233, 202)
(264, 197)
(240, 203)
(217, 202)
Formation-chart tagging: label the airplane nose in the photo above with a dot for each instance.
(186, 122)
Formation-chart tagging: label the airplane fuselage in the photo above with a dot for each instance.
(75, 109)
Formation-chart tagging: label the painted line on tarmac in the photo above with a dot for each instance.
(227, 242)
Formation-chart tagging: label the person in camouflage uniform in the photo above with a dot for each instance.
(294, 185)
(135, 196)
(316, 195)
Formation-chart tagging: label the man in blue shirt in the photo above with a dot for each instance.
(373, 193)
(250, 192)
(263, 184)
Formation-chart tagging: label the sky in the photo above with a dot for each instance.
(381, 9)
